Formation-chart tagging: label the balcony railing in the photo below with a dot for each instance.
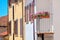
(44, 22)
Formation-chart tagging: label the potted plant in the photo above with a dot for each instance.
(46, 15)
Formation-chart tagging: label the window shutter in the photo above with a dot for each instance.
(16, 27)
(9, 28)
(32, 10)
(29, 12)
(21, 28)
(32, 7)
(25, 14)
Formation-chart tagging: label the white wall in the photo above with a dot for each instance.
(28, 27)
(56, 19)
(29, 32)
(44, 5)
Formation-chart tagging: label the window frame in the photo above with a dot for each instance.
(16, 27)
(26, 14)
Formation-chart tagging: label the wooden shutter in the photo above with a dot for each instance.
(29, 12)
(21, 28)
(9, 28)
(32, 10)
(25, 14)
(32, 7)
(16, 27)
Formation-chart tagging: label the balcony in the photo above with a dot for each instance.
(43, 22)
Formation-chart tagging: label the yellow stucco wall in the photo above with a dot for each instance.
(17, 16)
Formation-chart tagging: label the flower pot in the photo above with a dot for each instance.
(46, 16)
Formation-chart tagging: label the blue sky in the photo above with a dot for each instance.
(3, 7)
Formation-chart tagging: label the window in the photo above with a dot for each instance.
(26, 14)
(21, 28)
(9, 28)
(29, 12)
(16, 27)
(29, 9)
(32, 7)
(32, 11)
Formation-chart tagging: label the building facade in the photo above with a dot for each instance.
(39, 17)
(16, 19)
(30, 20)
